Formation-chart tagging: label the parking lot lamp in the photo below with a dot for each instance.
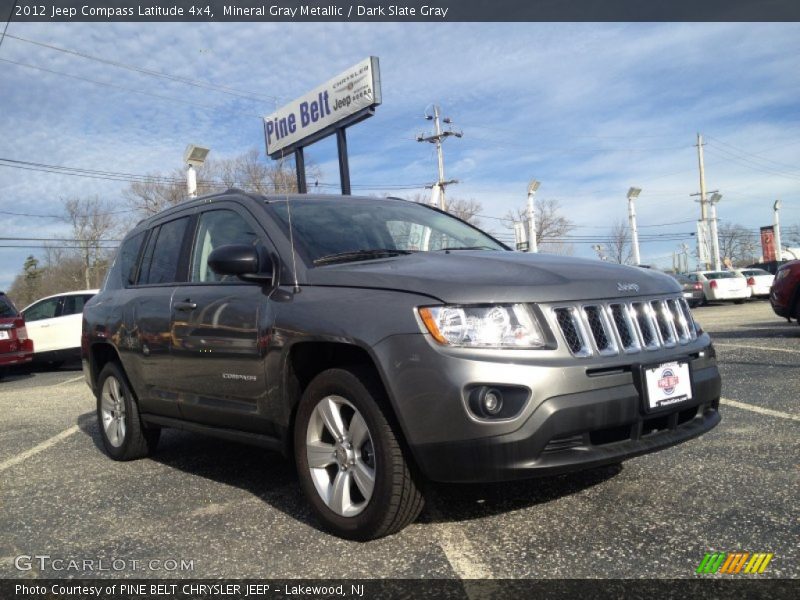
(194, 156)
(777, 230)
(532, 187)
(633, 193)
(715, 197)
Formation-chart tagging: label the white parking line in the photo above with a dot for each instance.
(757, 347)
(759, 409)
(461, 554)
(15, 460)
(73, 380)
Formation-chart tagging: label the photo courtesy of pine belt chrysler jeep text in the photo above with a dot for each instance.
(379, 342)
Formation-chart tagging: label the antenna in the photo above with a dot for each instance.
(296, 288)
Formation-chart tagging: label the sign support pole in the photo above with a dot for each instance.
(344, 163)
(300, 166)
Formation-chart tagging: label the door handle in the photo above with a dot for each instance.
(185, 305)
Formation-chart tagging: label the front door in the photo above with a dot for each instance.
(220, 327)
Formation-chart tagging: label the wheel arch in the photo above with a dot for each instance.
(306, 360)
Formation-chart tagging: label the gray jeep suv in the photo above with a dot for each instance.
(379, 341)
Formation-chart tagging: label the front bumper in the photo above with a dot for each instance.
(575, 432)
(580, 414)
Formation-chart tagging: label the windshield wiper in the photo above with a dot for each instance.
(354, 255)
(465, 248)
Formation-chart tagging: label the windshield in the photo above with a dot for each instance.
(359, 229)
(7, 309)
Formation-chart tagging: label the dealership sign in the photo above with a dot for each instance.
(347, 98)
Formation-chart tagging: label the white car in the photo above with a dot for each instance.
(758, 280)
(54, 324)
(722, 285)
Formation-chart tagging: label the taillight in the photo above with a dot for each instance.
(698, 286)
(751, 281)
(713, 284)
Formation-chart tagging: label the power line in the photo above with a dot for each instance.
(177, 78)
(758, 156)
(131, 90)
(8, 21)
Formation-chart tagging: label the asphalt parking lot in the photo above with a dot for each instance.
(236, 511)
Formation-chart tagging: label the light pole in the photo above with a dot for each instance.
(194, 156)
(777, 230)
(532, 187)
(633, 193)
(715, 197)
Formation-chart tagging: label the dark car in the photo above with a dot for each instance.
(379, 341)
(692, 290)
(784, 294)
(15, 347)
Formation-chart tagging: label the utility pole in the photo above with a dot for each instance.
(633, 193)
(715, 198)
(532, 187)
(776, 230)
(685, 252)
(437, 197)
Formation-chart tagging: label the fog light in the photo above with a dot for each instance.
(492, 402)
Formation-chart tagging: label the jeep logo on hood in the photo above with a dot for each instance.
(627, 287)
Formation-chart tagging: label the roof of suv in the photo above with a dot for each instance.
(268, 198)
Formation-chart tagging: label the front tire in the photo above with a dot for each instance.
(124, 435)
(351, 465)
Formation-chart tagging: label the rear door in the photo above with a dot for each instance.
(220, 327)
(71, 317)
(162, 267)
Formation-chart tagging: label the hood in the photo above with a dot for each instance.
(467, 277)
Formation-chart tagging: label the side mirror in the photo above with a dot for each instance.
(240, 260)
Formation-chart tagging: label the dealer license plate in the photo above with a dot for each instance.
(3, 335)
(667, 384)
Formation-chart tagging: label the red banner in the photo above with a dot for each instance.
(768, 243)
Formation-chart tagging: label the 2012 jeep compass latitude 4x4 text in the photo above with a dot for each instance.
(379, 341)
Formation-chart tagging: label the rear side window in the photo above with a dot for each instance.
(7, 309)
(73, 305)
(754, 273)
(218, 228)
(162, 256)
(123, 272)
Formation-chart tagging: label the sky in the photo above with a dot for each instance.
(589, 110)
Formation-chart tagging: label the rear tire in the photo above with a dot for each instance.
(351, 465)
(124, 435)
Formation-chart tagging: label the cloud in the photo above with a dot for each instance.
(588, 109)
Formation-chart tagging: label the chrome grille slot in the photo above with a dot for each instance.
(687, 315)
(602, 329)
(679, 320)
(663, 318)
(573, 331)
(623, 323)
(645, 323)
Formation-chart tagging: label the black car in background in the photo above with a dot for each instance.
(692, 290)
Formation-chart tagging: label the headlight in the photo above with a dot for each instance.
(499, 326)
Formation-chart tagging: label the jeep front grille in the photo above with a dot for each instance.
(607, 329)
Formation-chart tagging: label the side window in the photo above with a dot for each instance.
(162, 256)
(73, 305)
(123, 272)
(46, 309)
(218, 228)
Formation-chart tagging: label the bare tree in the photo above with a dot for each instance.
(551, 226)
(92, 222)
(737, 243)
(248, 171)
(618, 247)
(466, 210)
